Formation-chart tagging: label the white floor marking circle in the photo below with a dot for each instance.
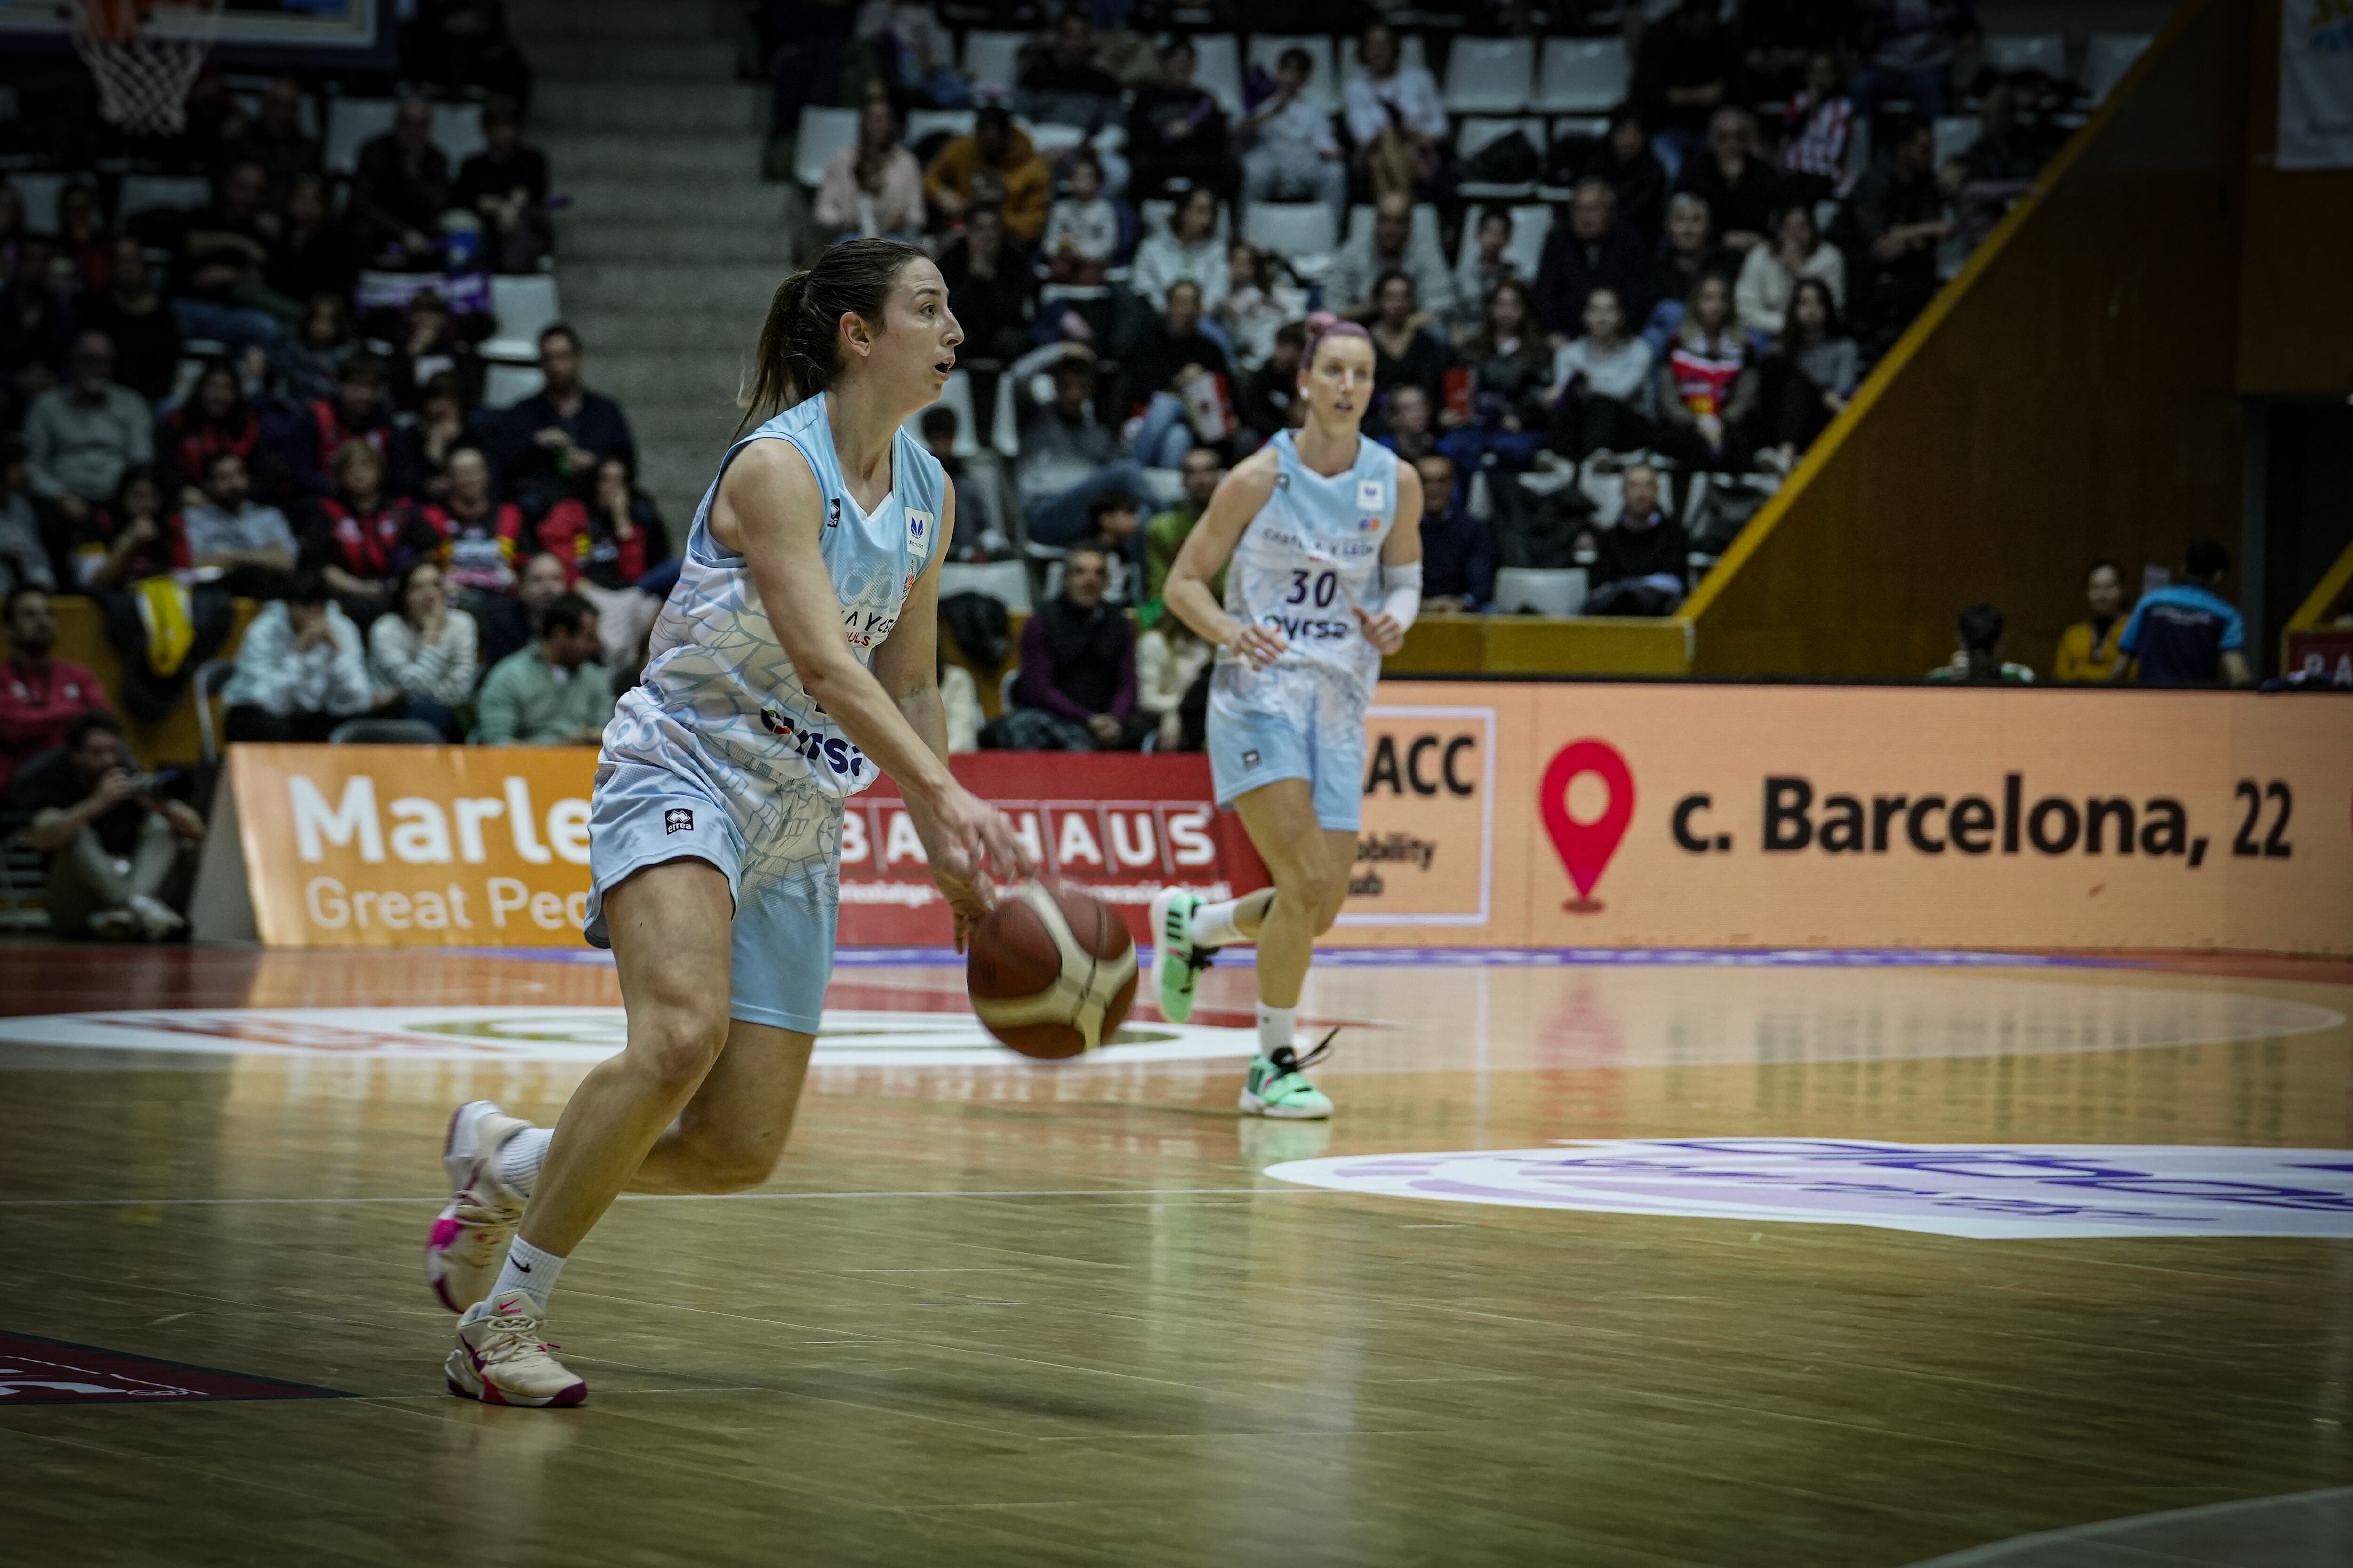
(1989, 1191)
(846, 1038)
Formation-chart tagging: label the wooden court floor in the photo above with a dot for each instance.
(988, 1314)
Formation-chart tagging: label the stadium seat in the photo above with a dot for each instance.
(1541, 591)
(366, 731)
(1218, 68)
(1411, 56)
(504, 385)
(2106, 60)
(1005, 422)
(957, 397)
(824, 132)
(1049, 137)
(525, 304)
(1472, 136)
(1582, 75)
(351, 121)
(174, 193)
(1323, 82)
(1530, 222)
(1007, 581)
(457, 131)
(1956, 134)
(2011, 52)
(993, 61)
(39, 195)
(1155, 216)
(1291, 229)
(1490, 76)
(923, 122)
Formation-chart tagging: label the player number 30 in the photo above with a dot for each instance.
(1318, 585)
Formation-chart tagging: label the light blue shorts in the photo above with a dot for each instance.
(787, 882)
(1251, 747)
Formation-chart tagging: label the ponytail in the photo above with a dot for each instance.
(800, 343)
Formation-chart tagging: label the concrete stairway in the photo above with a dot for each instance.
(673, 246)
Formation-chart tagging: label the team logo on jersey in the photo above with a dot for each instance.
(919, 524)
(833, 511)
(677, 819)
(1369, 498)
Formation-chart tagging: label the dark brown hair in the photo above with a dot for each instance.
(800, 346)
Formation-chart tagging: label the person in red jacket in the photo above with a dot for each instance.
(483, 539)
(215, 418)
(39, 695)
(361, 537)
(607, 546)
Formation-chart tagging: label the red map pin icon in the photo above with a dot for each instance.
(1585, 848)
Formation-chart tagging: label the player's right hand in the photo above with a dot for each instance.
(976, 842)
(1259, 645)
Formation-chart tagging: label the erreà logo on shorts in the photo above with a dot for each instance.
(677, 819)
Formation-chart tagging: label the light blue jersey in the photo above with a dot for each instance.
(1303, 566)
(722, 755)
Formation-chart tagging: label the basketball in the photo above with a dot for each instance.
(1051, 971)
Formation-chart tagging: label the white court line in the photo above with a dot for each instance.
(705, 1197)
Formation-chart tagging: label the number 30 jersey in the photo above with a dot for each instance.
(1305, 563)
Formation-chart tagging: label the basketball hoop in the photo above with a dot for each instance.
(144, 75)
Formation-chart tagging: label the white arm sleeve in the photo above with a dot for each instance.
(1403, 600)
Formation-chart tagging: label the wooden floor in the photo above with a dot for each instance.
(993, 1313)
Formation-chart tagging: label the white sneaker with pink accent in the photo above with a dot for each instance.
(470, 1233)
(502, 1357)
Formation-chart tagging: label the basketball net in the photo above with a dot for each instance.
(143, 78)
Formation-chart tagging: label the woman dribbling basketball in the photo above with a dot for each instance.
(794, 658)
(1323, 528)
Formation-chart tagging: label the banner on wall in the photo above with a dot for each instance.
(2316, 96)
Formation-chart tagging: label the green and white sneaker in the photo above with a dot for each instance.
(1177, 963)
(1276, 1084)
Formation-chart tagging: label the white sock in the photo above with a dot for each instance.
(521, 1156)
(529, 1270)
(1213, 924)
(1276, 1027)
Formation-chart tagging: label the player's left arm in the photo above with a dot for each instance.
(1385, 627)
(908, 665)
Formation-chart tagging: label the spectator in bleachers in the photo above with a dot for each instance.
(1391, 242)
(1807, 379)
(1258, 302)
(1910, 46)
(359, 414)
(24, 553)
(1068, 456)
(39, 694)
(1077, 687)
(1115, 520)
(1081, 227)
(1510, 373)
(510, 621)
(1896, 219)
(300, 670)
(1175, 131)
(1406, 351)
(561, 431)
(989, 287)
(1817, 128)
(401, 188)
(1291, 154)
(1704, 399)
(1064, 85)
(1687, 67)
(276, 141)
(872, 188)
(1769, 276)
(82, 435)
(1409, 423)
(1395, 116)
(1458, 552)
(1601, 385)
(997, 166)
(1268, 399)
(251, 545)
(118, 851)
(610, 542)
(1166, 534)
(361, 536)
(37, 326)
(553, 693)
(505, 185)
(1592, 250)
(308, 364)
(1481, 270)
(425, 648)
(421, 451)
(2187, 634)
(1160, 375)
(1976, 657)
(980, 531)
(1781, 38)
(131, 538)
(1688, 254)
(2087, 651)
(1188, 250)
(219, 292)
(916, 53)
(429, 345)
(1645, 561)
(1736, 184)
(316, 253)
(139, 322)
(82, 239)
(214, 418)
(1625, 163)
(482, 537)
(1171, 693)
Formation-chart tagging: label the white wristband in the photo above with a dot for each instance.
(1404, 600)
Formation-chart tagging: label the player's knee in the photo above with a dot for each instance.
(677, 1045)
(729, 1166)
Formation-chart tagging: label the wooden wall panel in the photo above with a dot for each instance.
(2295, 318)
